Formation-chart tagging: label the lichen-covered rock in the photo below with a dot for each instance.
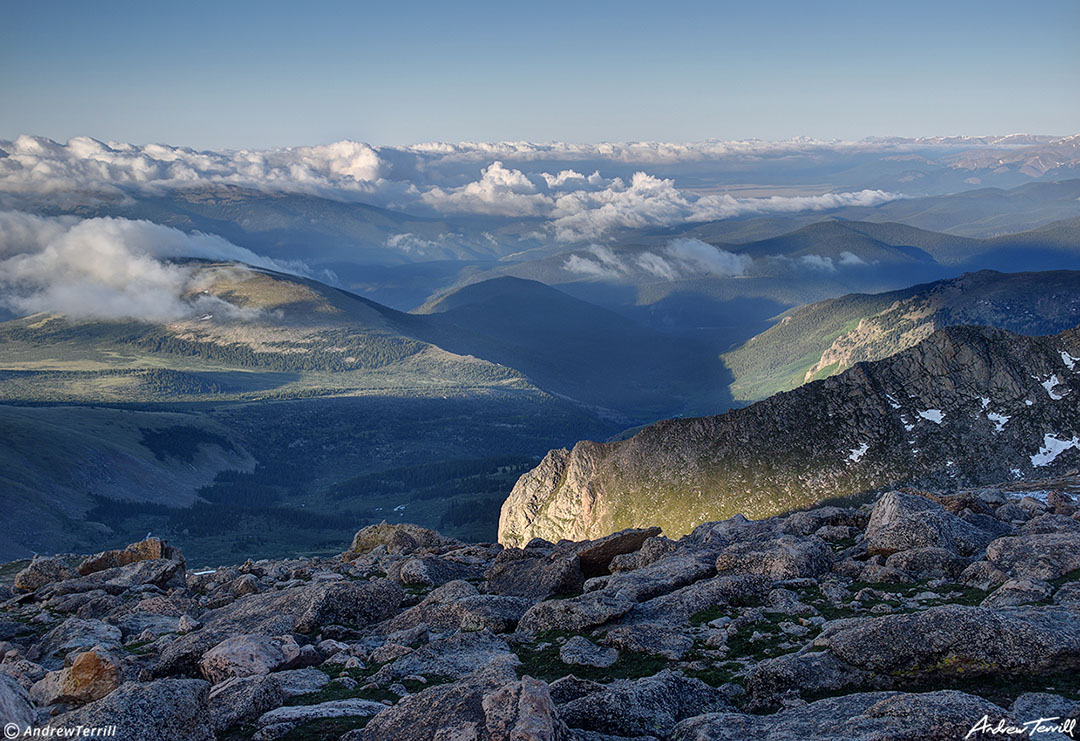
(145, 550)
(900, 522)
(72, 634)
(302, 609)
(667, 574)
(523, 711)
(244, 656)
(576, 614)
(676, 607)
(581, 651)
(447, 711)
(649, 706)
(658, 639)
(928, 563)
(162, 573)
(294, 682)
(1068, 594)
(533, 573)
(91, 676)
(42, 571)
(983, 575)
(872, 716)
(810, 521)
(956, 640)
(1048, 523)
(401, 538)
(285, 718)
(652, 549)
(431, 571)
(164, 710)
(497, 613)
(673, 606)
(1034, 705)
(1022, 591)
(437, 609)
(568, 688)
(808, 674)
(348, 603)
(456, 655)
(1040, 556)
(15, 704)
(786, 557)
(595, 556)
(243, 699)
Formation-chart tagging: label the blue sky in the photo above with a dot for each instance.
(237, 74)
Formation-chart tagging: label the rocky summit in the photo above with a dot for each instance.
(918, 615)
(968, 406)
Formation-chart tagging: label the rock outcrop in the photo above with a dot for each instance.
(966, 407)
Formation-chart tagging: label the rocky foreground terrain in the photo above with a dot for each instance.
(918, 616)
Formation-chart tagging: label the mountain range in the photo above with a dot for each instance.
(827, 337)
(411, 356)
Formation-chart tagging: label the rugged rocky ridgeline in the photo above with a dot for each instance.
(968, 406)
(914, 617)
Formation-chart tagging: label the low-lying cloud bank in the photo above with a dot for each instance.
(681, 258)
(460, 180)
(686, 258)
(111, 268)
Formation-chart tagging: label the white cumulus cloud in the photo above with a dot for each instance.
(507, 179)
(108, 268)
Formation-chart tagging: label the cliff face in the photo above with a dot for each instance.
(968, 406)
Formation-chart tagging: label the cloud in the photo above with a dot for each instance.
(817, 262)
(110, 268)
(703, 257)
(598, 262)
(442, 247)
(656, 265)
(649, 201)
(508, 179)
(681, 259)
(36, 164)
(851, 259)
(499, 191)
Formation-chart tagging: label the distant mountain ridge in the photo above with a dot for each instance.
(285, 336)
(827, 337)
(966, 406)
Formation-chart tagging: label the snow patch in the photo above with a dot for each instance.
(998, 419)
(892, 401)
(1028, 402)
(858, 453)
(1052, 448)
(985, 402)
(1049, 385)
(933, 415)
(1069, 361)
